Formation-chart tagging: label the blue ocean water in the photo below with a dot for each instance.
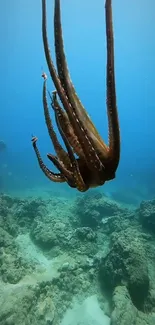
(23, 61)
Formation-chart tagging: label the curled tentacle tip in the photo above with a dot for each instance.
(44, 76)
(34, 139)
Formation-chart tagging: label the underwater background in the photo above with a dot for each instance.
(23, 62)
(41, 221)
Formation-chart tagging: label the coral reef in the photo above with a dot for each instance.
(125, 313)
(147, 214)
(92, 207)
(126, 264)
(12, 264)
(27, 305)
(57, 251)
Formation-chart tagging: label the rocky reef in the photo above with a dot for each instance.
(146, 213)
(57, 252)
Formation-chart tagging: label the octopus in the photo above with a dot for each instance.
(84, 160)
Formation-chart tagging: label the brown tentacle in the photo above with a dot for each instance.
(91, 155)
(114, 132)
(67, 128)
(78, 180)
(55, 177)
(68, 175)
(61, 153)
(64, 76)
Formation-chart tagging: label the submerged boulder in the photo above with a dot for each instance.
(125, 313)
(126, 264)
(91, 208)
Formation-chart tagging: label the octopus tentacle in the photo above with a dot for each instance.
(79, 182)
(61, 153)
(90, 154)
(67, 128)
(114, 132)
(60, 166)
(64, 76)
(55, 177)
